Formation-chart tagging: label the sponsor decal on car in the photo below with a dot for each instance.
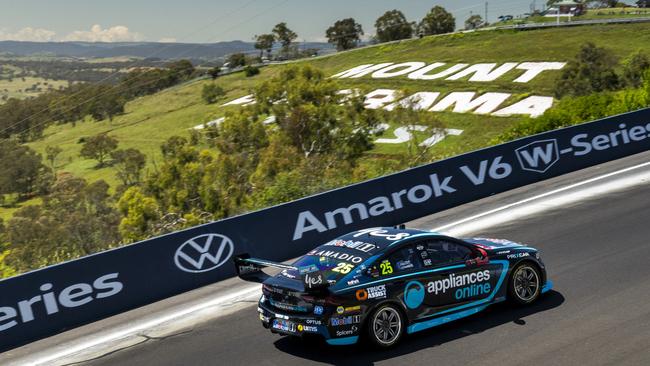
(340, 310)
(340, 333)
(307, 328)
(517, 255)
(283, 325)
(404, 264)
(313, 321)
(318, 310)
(353, 282)
(336, 255)
(382, 234)
(377, 292)
(351, 309)
(308, 269)
(414, 294)
(471, 284)
(352, 244)
(345, 320)
(361, 295)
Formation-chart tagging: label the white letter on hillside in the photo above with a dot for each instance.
(314, 224)
(402, 69)
(484, 72)
(245, 100)
(535, 68)
(463, 103)
(418, 101)
(360, 71)
(378, 98)
(534, 106)
(420, 74)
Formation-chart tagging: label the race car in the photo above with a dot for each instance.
(386, 282)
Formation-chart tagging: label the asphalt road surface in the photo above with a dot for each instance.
(597, 254)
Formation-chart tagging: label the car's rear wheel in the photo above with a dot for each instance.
(525, 284)
(386, 326)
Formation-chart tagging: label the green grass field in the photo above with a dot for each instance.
(150, 120)
(18, 87)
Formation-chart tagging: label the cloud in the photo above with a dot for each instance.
(29, 34)
(167, 40)
(118, 33)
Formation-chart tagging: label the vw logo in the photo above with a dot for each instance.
(204, 253)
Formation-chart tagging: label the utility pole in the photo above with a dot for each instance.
(486, 12)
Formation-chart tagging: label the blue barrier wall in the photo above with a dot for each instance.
(60, 297)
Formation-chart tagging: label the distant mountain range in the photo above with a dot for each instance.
(135, 49)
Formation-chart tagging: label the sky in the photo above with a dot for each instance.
(208, 21)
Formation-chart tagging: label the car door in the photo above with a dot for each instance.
(453, 278)
(399, 268)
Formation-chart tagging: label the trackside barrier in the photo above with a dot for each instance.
(50, 300)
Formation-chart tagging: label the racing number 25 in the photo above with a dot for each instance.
(386, 268)
(343, 268)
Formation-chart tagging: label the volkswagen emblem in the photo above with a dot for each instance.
(204, 253)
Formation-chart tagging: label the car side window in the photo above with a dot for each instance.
(401, 260)
(440, 252)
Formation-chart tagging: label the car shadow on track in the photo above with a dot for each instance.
(364, 354)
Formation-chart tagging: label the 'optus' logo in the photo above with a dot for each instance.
(204, 253)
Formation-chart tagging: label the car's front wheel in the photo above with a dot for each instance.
(386, 326)
(525, 284)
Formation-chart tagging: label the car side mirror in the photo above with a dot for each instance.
(480, 257)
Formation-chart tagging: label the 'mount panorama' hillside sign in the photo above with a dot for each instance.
(459, 102)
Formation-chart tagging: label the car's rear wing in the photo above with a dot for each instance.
(250, 269)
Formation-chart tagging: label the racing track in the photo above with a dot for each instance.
(597, 253)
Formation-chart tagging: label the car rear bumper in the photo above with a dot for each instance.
(299, 325)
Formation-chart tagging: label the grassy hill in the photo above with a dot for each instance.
(150, 120)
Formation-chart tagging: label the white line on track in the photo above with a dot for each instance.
(546, 201)
(104, 342)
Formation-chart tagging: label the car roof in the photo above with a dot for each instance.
(385, 237)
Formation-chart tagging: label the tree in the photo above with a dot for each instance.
(181, 69)
(393, 26)
(75, 219)
(591, 71)
(251, 70)
(214, 72)
(634, 68)
(22, 169)
(315, 118)
(51, 153)
(264, 42)
(345, 34)
(236, 60)
(473, 22)
(437, 21)
(284, 35)
(99, 148)
(139, 214)
(212, 92)
(129, 164)
(421, 125)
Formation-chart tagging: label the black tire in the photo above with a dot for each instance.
(385, 326)
(525, 284)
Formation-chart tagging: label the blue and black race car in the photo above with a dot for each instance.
(385, 282)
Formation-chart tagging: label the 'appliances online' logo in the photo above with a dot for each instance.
(204, 253)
